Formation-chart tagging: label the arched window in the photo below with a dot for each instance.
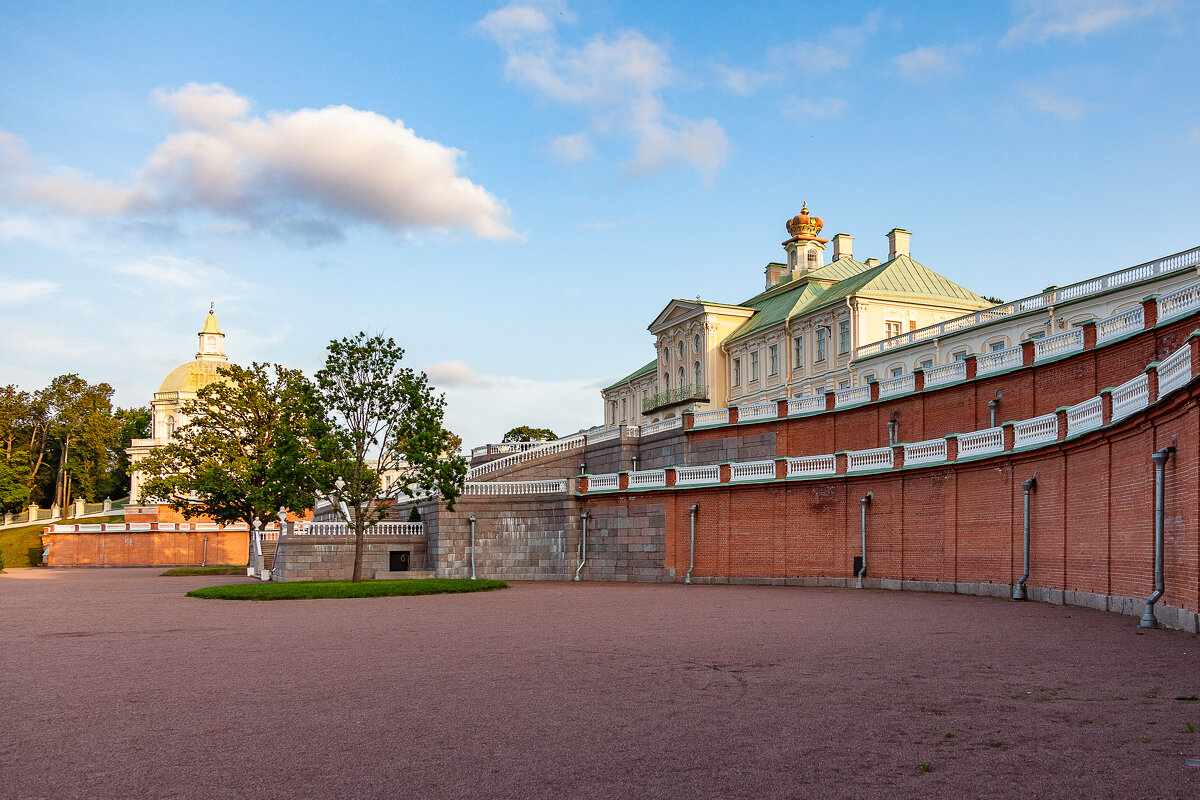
(170, 427)
(812, 259)
(624, 409)
(699, 375)
(612, 409)
(666, 381)
(682, 377)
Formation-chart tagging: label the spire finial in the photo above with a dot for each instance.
(210, 306)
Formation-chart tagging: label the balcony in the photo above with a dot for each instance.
(672, 396)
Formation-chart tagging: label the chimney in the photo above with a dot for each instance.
(842, 246)
(774, 272)
(898, 242)
(872, 262)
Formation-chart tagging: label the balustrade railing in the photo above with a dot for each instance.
(1180, 301)
(1060, 344)
(805, 405)
(543, 449)
(504, 448)
(875, 458)
(604, 435)
(999, 360)
(647, 479)
(671, 396)
(1175, 370)
(690, 476)
(1085, 416)
(716, 416)
(1038, 430)
(1130, 397)
(557, 486)
(977, 443)
(901, 384)
(1119, 325)
(941, 375)
(757, 411)
(1141, 272)
(603, 483)
(660, 426)
(751, 471)
(806, 466)
(852, 397)
(343, 529)
(929, 451)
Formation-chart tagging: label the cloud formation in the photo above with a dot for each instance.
(14, 291)
(572, 148)
(803, 110)
(453, 373)
(302, 174)
(1047, 101)
(170, 271)
(1042, 20)
(618, 81)
(931, 62)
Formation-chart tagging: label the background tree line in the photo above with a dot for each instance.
(64, 441)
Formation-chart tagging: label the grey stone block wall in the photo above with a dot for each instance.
(326, 558)
(627, 543)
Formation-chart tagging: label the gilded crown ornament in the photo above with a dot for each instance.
(802, 226)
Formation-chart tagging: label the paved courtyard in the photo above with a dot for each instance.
(116, 685)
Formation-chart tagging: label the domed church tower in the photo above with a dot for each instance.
(805, 252)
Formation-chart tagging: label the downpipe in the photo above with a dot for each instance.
(472, 547)
(1159, 457)
(862, 569)
(692, 558)
(1027, 487)
(204, 555)
(582, 545)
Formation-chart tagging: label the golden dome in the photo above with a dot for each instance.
(210, 324)
(191, 376)
(802, 226)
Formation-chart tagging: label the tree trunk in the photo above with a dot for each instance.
(359, 538)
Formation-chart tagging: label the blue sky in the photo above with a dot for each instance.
(514, 191)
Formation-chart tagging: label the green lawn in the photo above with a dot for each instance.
(317, 590)
(22, 547)
(221, 570)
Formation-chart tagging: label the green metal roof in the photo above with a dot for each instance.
(635, 374)
(901, 277)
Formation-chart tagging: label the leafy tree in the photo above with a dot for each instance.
(14, 494)
(527, 434)
(254, 443)
(80, 414)
(131, 423)
(389, 426)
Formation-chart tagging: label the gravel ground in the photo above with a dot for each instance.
(116, 685)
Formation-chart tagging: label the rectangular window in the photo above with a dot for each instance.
(820, 344)
(843, 385)
(843, 338)
(961, 355)
(926, 364)
(754, 366)
(737, 372)
(994, 346)
(869, 377)
(891, 328)
(774, 361)
(897, 372)
(798, 353)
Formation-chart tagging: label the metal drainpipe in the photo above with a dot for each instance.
(864, 502)
(891, 426)
(992, 406)
(634, 463)
(692, 558)
(472, 519)
(582, 544)
(1159, 457)
(1027, 487)
(204, 556)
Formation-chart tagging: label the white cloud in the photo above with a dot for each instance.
(180, 273)
(835, 50)
(481, 413)
(572, 148)
(453, 373)
(803, 110)
(617, 81)
(299, 173)
(14, 290)
(1193, 136)
(1042, 20)
(744, 81)
(1047, 101)
(929, 63)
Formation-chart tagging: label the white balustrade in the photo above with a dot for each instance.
(806, 466)
(663, 425)
(953, 372)
(604, 435)
(542, 449)
(632, 432)
(1179, 302)
(998, 360)
(988, 440)
(603, 483)
(301, 529)
(863, 460)
(1175, 370)
(647, 479)
(852, 397)
(1130, 397)
(1060, 344)
(1093, 286)
(691, 476)
(1119, 325)
(558, 486)
(805, 405)
(901, 384)
(929, 451)
(751, 471)
(1085, 416)
(716, 416)
(1038, 430)
(768, 410)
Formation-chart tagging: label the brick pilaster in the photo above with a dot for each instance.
(733, 415)
(780, 467)
(622, 480)
(952, 447)
(1089, 334)
(1028, 352)
(689, 420)
(1106, 406)
(830, 399)
(971, 365)
(874, 384)
(1149, 312)
(1152, 382)
(839, 461)
(1061, 413)
(723, 476)
(918, 379)
(897, 456)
